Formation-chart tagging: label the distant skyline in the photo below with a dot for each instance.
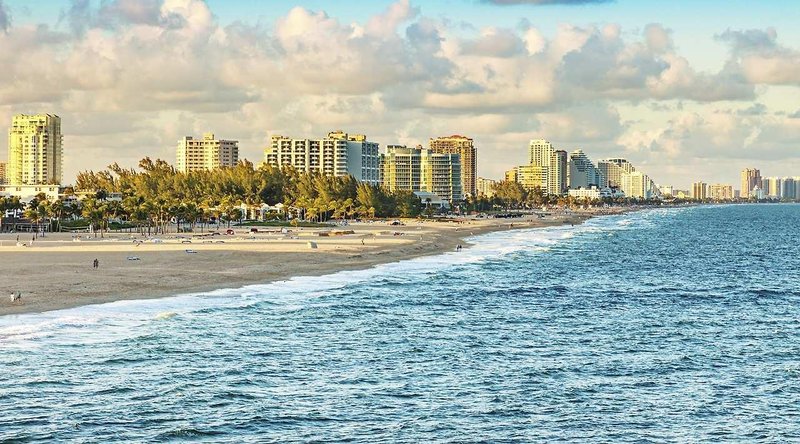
(685, 91)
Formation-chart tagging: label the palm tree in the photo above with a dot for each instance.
(57, 210)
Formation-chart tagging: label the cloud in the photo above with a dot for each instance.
(495, 43)
(146, 72)
(758, 57)
(718, 134)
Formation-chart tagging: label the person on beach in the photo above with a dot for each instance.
(96, 264)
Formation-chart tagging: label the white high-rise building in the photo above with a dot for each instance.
(773, 187)
(34, 150)
(339, 154)
(464, 147)
(751, 177)
(485, 187)
(554, 164)
(207, 153)
(611, 170)
(636, 185)
(420, 169)
(581, 172)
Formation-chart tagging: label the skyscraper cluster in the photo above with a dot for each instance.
(446, 168)
(557, 172)
(754, 186)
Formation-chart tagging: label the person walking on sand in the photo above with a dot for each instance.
(96, 264)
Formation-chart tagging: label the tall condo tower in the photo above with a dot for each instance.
(34, 150)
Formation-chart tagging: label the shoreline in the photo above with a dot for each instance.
(56, 273)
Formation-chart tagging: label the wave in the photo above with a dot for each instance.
(118, 320)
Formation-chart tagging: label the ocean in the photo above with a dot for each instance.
(666, 325)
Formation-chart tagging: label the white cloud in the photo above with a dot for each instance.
(760, 59)
(146, 72)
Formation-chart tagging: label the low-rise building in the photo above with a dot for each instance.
(26, 193)
(595, 193)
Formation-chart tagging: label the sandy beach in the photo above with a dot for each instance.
(57, 272)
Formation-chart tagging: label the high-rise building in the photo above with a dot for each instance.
(581, 172)
(469, 158)
(34, 150)
(540, 152)
(773, 187)
(420, 169)
(363, 158)
(532, 177)
(401, 169)
(789, 188)
(2, 173)
(512, 175)
(751, 178)
(720, 191)
(699, 190)
(441, 175)
(207, 153)
(554, 162)
(611, 170)
(485, 187)
(339, 154)
(636, 185)
(557, 173)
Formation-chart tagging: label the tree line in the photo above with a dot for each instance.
(156, 195)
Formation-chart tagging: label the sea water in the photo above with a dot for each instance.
(662, 325)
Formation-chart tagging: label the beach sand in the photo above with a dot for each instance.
(56, 272)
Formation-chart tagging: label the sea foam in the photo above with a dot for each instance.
(120, 319)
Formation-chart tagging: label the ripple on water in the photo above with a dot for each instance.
(665, 325)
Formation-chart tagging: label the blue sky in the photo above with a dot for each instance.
(686, 89)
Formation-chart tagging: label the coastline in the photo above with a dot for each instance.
(56, 272)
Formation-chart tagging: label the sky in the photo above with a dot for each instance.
(685, 90)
